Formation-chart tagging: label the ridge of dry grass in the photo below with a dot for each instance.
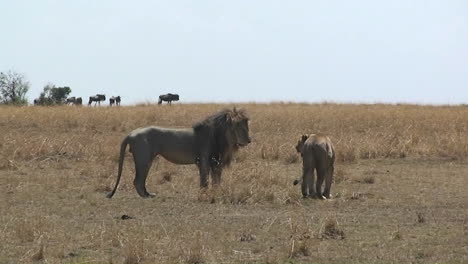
(358, 131)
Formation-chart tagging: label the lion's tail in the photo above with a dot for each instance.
(123, 147)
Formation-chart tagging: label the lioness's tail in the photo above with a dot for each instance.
(123, 147)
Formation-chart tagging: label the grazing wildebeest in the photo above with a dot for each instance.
(97, 99)
(114, 100)
(78, 101)
(71, 100)
(317, 154)
(210, 144)
(168, 98)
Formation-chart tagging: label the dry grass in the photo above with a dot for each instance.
(390, 204)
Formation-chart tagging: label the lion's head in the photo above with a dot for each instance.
(237, 128)
(300, 143)
(223, 133)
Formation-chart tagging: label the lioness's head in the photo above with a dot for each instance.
(300, 143)
(239, 127)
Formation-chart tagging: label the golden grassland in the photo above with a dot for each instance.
(399, 192)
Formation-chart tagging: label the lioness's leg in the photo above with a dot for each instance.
(321, 174)
(143, 162)
(328, 182)
(307, 182)
(310, 182)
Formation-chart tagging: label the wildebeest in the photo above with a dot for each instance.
(97, 99)
(78, 101)
(37, 101)
(210, 144)
(71, 100)
(168, 98)
(114, 100)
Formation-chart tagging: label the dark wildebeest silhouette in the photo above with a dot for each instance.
(114, 100)
(97, 99)
(71, 100)
(37, 101)
(78, 101)
(168, 98)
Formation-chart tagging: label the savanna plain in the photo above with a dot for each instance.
(399, 193)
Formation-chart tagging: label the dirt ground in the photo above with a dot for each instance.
(407, 207)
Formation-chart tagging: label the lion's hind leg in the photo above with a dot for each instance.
(143, 160)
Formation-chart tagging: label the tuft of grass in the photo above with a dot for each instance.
(302, 249)
(134, 251)
(247, 237)
(368, 179)
(39, 255)
(397, 235)
(330, 229)
(28, 230)
(421, 218)
(194, 255)
(166, 177)
(360, 196)
(340, 175)
(292, 158)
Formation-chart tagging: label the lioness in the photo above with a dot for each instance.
(210, 144)
(317, 154)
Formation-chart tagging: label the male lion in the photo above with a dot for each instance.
(209, 144)
(317, 154)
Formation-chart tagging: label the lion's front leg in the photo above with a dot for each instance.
(204, 168)
(216, 171)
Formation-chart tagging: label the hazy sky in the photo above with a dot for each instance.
(236, 51)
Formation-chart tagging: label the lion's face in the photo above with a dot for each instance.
(241, 133)
(300, 143)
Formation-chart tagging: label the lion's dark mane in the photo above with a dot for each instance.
(211, 135)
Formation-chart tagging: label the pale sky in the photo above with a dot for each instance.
(242, 51)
